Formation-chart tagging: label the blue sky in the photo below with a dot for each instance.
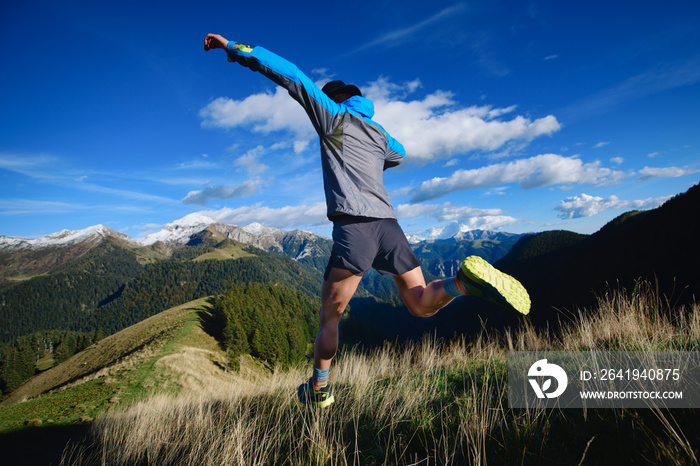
(516, 116)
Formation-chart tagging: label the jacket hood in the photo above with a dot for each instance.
(360, 105)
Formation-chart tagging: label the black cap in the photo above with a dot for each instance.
(333, 88)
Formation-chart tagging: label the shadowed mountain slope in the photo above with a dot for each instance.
(563, 270)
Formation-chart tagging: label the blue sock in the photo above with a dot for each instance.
(320, 378)
(451, 288)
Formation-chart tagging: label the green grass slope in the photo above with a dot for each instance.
(161, 354)
(159, 393)
(168, 353)
(415, 404)
(117, 367)
(225, 250)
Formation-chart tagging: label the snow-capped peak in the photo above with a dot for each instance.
(457, 232)
(180, 230)
(256, 229)
(192, 220)
(63, 238)
(414, 239)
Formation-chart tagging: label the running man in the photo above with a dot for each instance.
(355, 151)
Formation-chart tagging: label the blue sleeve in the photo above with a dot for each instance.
(319, 107)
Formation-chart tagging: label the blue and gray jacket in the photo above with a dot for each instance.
(354, 149)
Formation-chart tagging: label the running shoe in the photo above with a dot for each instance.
(319, 398)
(486, 282)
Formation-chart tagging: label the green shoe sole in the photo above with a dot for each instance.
(323, 404)
(498, 286)
(310, 397)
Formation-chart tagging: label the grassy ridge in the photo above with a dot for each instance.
(420, 404)
(227, 251)
(118, 369)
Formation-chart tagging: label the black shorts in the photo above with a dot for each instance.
(360, 243)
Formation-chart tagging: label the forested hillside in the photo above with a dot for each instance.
(104, 293)
(27, 355)
(109, 290)
(65, 298)
(272, 323)
(172, 282)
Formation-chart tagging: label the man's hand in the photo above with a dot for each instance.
(215, 41)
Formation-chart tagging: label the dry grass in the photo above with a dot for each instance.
(423, 404)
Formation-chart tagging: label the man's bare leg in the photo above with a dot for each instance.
(336, 293)
(424, 300)
(476, 277)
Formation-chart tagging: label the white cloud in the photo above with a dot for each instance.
(535, 172)
(124, 194)
(493, 222)
(198, 164)
(457, 219)
(585, 205)
(617, 160)
(53, 170)
(402, 192)
(287, 217)
(475, 223)
(601, 144)
(398, 36)
(443, 212)
(43, 167)
(249, 162)
(201, 197)
(31, 206)
(435, 127)
(263, 113)
(430, 129)
(300, 146)
(148, 226)
(497, 191)
(666, 172)
(181, 181)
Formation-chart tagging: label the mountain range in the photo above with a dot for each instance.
(562, 270)
(21, 258)
(82, 280)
